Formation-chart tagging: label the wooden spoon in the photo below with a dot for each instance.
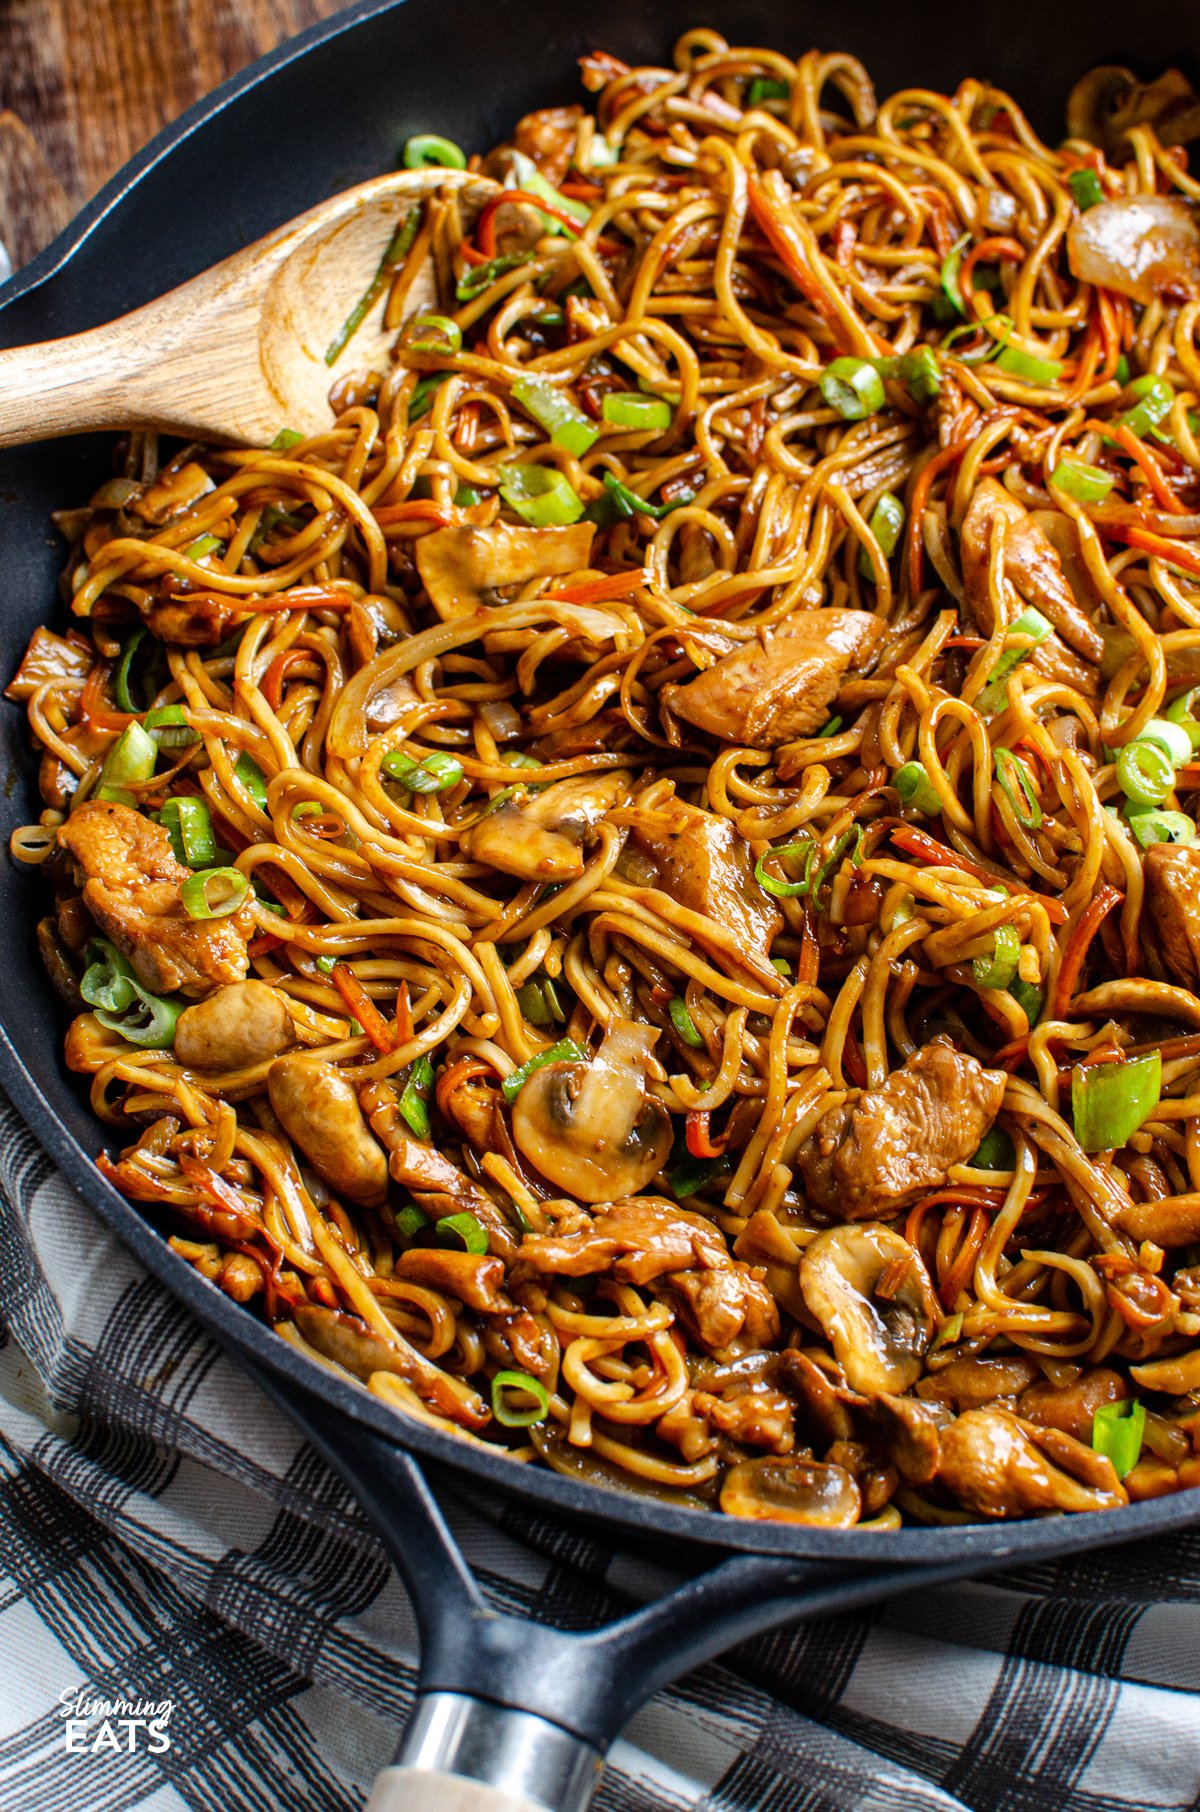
(238, 352)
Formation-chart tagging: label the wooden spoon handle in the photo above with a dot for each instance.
(63, 387)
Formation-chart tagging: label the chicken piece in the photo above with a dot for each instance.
(200, 620)
(998, 1465)
(463, 568)
(1172, 909)
(475, 1279)
(758, 1417)
(1031, 565)
(437, 1186)
(909, 1432)
(363, 1351)
(540, 837)
(771, 690)
(131, 888)
(706, 866)
(318, 1109)
(1071, 1407)
(48, 657)
(969, 1383)
(647, 1240)
(1172, 1220)
(548, 138)
(882, 1150)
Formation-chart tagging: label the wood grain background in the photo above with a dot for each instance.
(84, 84)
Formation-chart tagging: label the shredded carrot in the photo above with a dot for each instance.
(1185, 558)
(699, 1141)
(1010, 251)
(404, 1022)
(964, 1260)
(485, 226)
(920, 494)
(99, 714)
(361, 1007)
(1078, 940)
(1138, 451)
(465, 1070)
(595, 591)
(272, 680)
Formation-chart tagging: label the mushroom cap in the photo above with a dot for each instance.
(879, 1342)
(590, 1128)
(791, 1489)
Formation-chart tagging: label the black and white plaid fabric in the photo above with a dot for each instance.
(165, 1537)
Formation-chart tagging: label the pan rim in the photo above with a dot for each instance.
(254, 1344)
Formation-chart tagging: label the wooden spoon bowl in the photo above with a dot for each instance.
(239, 352)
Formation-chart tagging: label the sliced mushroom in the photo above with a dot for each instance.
(540, 836)
(351, 1344)
(825, 1411)
(1139, 245)
(590, 1128)
(908, 1432)
(878, 1341)
(1107, 101)
(319, 1110)
(1174, 1376)
(792, 1490)
(475, 1279)
(1174, 1221)
(998, 1465)
(463, 568)
(244, 1023)
(969, 1383)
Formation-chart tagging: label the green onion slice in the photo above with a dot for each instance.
(214, 893)
(951, 266)
(1085, 187)
(684, 1024)
(108, 981)
(629, 409)
(478, 277)
(188, 823)
(169, 727)
(1150, 827)
(996, 1151)
(1110, 1101)
(1028, 366)
(1084, 483)
(1171, 738)
(540, 495)
(395, 252)
(1036, 627)
(122, 673)
(692, 1174)
(463, 1227)
(1182, 711)
(853, 387)
(410, 1221)
(1030, 998)
(1117, 1430)
(1016, 783)
(620, 503)
(537, 1001)
(915, 788)
(1146, 772)
(430, 151)
(787, 890)
(434, 333)
(565, 1051)
(527, 177)
(129, 762)
(247, 770)
(435, 773)
(148, 1021)
(414, 1098)
(1155, 400)
(421, 400)
(887, 521)
(920, 373)
(999, 969)
(556, 410)
(782, 967)
(285, 440)
(765, 88)
(514, 1415)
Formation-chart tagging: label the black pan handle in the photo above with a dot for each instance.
(513, 1715)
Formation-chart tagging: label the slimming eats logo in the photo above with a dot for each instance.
(114, 1726)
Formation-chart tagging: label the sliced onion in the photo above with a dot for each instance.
(502, 719)
(1140, 245)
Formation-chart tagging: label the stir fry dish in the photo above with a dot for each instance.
(640, 893)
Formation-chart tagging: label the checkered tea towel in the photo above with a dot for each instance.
(194, 1614)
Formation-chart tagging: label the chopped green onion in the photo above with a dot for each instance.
(202, 545)
(951, 266)
(853, 387)
(782, 967)
(285, 440)
(692, 1174)
(1022, 797)
(463, 1227)
(684, 1024)
(410, 1221)
(247, 770)
(983, 354)
(121, 690)
(1109, 1101)
(108, 981)
(517, 758)
(129, 762)
(467, 496)
(557, 412)
(950, 1331)
(1123, 371)
(1182, 711)
(435, 773)
(326, 964)
(540, 495)
(214, 893)
(887, 520)
(170, 728)
(1152, 827)
(1117, 1431)
(831, 728)
(1155, 400)
(915, 788)
(1145, 772)
(148, 1020)
(478, 277)
(188, 823)
(1086, 484)
(530, 180)
(421, 400)
(1030, 623)
(765, 88)
(1030, 998)
(414, 1098)
(508, 1414)
(533, 1004)
(429, 151)
(921, 374)
(999, 969)
(565, 1051)
(447, 335)
(996, 1151)
(1085, 187)
(629, 409)
(620, 503)
(398, 247)
(1027, 365)
(1171, 738)
(787, 890)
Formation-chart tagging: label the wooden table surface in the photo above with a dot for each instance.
(84, 84)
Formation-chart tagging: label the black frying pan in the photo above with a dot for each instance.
(512, 1716)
